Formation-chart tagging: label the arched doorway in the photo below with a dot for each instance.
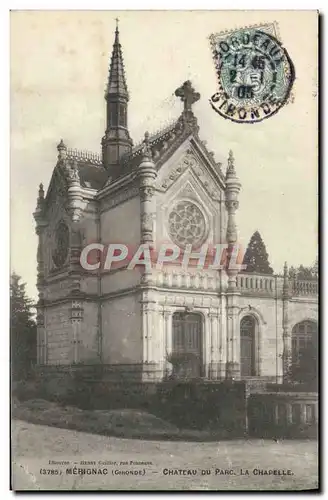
(304, 351)
(247, 346)
(187, 355)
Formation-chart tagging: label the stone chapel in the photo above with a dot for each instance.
(169, 188)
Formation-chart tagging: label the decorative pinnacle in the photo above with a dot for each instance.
(188, 95)
(61, 146)
(285, 284)
(41, 191)
(231, 164)
(40, 197)
(62, 150)
(146, 149)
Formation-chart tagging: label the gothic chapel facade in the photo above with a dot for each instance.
(169, 188)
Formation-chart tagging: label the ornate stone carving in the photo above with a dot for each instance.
(232, 205)
(189, 161)
(72, 172)
(60, 251)
(145, 148)
(147, 222)
(146, 193)
(76, 311)
(187, 224)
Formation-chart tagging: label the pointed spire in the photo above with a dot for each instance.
(116, 78)
(117, 141)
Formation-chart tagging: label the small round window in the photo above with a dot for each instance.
(187, 225)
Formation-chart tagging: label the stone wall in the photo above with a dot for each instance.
(58, 330)
(121, 330)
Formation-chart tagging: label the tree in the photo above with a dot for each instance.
(303, 272)
(22, 329)
(256, 257)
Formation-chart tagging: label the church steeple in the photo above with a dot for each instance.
(117, 140)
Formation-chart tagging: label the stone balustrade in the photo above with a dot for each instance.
(247, 284)
(256, 284)
(197, 281)
(303, 288)
(283, 414)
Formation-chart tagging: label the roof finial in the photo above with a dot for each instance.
(62, 149)
(41, 191)
(231, 164)
(117, 21)
(188, 95)
(285, 283)
(146, 149)
(40, 197)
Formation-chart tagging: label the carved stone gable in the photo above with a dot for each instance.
(57, 198)
(191, 162)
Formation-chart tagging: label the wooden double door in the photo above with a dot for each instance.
(187, 344)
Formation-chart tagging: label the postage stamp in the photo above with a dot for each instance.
(255, 74)
(163, 335)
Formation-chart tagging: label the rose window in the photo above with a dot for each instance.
(187, 224)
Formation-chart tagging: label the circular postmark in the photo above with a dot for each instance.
(255, 75)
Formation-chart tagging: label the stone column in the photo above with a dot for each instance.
(74, 192)
(231, 202)
(41, 224)
(303, 413)
(214, 345)
(222, 325)
(147, 174)
(289, 414)
(148, 333)
(159, 333)
(287, 339)
(168, 339)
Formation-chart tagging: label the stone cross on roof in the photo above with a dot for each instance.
(187, 94)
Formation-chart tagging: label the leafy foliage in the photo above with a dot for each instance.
(256, 256)
(22, 329)
(304, 273)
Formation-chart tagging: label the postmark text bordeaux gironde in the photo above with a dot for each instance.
(255, 75)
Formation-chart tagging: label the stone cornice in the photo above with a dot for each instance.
(116, 186)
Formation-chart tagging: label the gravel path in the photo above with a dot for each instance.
(126, 464)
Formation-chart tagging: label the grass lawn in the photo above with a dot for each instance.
(33, 446)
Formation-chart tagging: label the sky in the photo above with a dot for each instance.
(59, 67)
